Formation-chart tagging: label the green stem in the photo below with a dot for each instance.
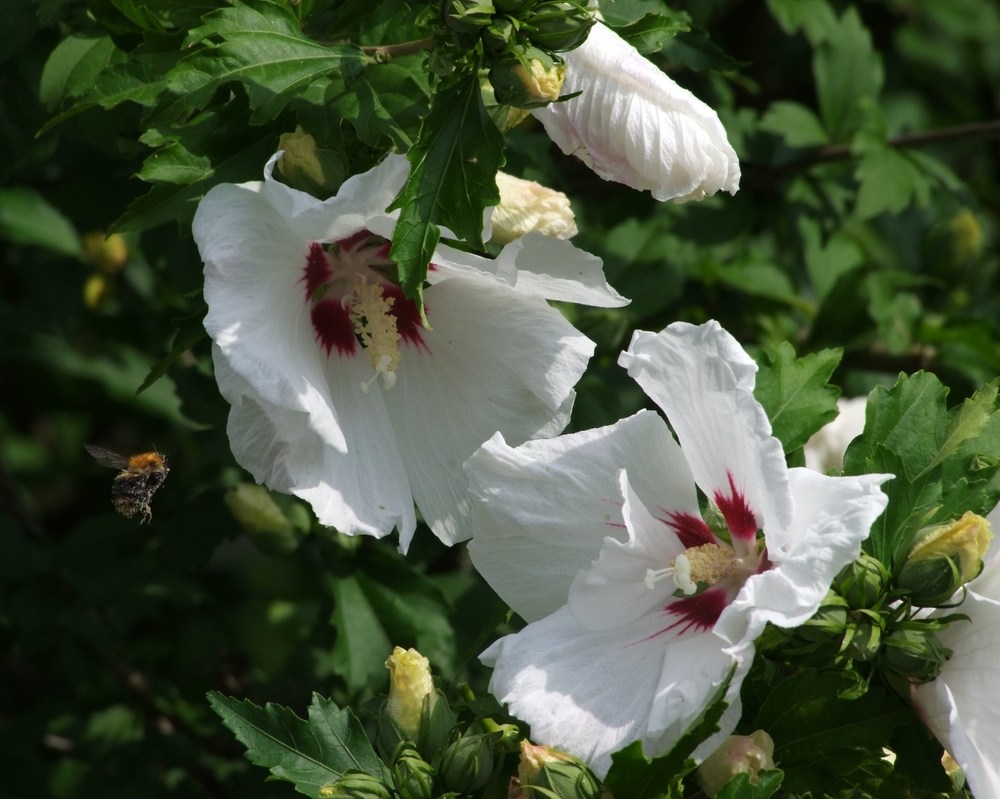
(384, 53)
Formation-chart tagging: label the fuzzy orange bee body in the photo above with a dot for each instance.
(134, 486)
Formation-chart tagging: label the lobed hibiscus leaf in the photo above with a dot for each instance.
(648, 35)
(632, 774)
(362, 644)
(819, 736)
(261, 46)
(796, 392)
(313, 753)
(191, 159)
(740, 787)
(190, 331)
(452, 179)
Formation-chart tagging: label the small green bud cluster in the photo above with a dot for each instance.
(555, 25)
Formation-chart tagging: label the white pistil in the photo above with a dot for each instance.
(376, 329)
(679, 569)
(708, 564)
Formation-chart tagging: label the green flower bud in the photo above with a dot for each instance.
(412, 775)
(740, 754)
(466, 16)
(512, 7)
(467, 763)
(499, 34)
(863, 639)
(107, 254)
(828, 622)
(262, 519)
(554, 773)
(915, 654)
(527, 77)
(356, 785)
(559, 26)
(862, 583)
(943, 559)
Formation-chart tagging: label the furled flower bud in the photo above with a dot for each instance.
(527, 78)
(559, 26)
(262, 519)
(828, 622)
(862, 582)
(526, 206)
(499, 34)
(412, 775)
(356, 785)
(944, 558)
(466, 16)
(308, 168)
(863, 637)
(108, 255)
(967, 235)
(915, 654)
(740, 754)
(409, 684)
(554, 773)
(467, 763)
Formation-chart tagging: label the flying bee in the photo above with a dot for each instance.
(138, 479)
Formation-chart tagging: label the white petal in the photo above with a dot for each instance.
(364, 491)
(494, 360)
(542, 510)
(634, 125)
(360, 199)
(557, 270)
(257, 313)
(825, 449)
(833, 515)
(962, 706)
(703, 381)
(612, 592)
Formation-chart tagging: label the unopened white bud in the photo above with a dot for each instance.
(526, 206)
(740, 754)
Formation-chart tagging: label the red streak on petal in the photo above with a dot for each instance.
(615, 524)
(700, 612)
(352, 241)
(332, 323)
(739, 517)
(408, 323)
(317, 270)
(690, 529)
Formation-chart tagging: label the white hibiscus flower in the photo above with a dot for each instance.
(638, 608)
(961, 706)
(305, 316)
(634, 125)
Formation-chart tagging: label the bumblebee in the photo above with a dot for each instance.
(138, 479)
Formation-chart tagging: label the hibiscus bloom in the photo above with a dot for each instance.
(340, 395)
(961, 706)
(634, 125)
(639, 609)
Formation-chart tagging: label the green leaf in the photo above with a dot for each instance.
(263, 47)
(633, 775)
(762, 280)
(312, 753)
(27, 218)
(212, 149)
(848, 73)
(796, 392)
(967, 421)
(362, 645)
(452, 180)
(827, 262)
(798, 125)
(890, 180)
(918, 758)
(647, 35)
(124, 17)
(695, 50)
(815, 18)
(385, 101)
(817, 735)
(190, 331)
(73, 66)
(740, 787)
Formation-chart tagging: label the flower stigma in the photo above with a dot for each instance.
(708, 564)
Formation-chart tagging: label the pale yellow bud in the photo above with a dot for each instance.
(108, 255)
(740, 754)
(533, 758)
(526, 206)
(968, 537)
(542, 84)
(300, 156)
(95, 289)
(967, 235)
(409, 682)
(254, 509)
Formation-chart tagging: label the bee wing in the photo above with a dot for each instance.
(106, 457)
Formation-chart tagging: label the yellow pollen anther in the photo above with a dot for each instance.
(710, 563)
(376, 328)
